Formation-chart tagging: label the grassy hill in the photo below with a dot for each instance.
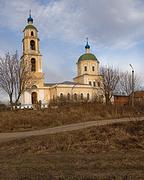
(23, 120)
(107, 152)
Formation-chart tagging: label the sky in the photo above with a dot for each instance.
(115, 29)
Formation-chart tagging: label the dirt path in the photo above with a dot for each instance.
(17, 135)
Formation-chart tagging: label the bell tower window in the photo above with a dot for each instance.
(33, 65)
(32, 45)
(85, 68)
(32, 33)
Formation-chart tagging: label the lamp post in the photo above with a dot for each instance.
(132, 97)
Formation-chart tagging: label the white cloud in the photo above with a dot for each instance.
(111, 25)
(108, 23)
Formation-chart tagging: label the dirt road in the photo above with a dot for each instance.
(59, 129)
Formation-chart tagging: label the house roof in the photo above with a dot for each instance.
(139, 94)
(120, 95)
(50, 84)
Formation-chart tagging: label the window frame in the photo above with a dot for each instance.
(88, 96)
(32, 45)
(32, 33)
(68, 96)
(85, 68)
(33, 65)
(82, 96)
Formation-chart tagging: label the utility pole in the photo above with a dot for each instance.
(132, 96)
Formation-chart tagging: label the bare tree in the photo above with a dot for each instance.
(110, 80)
(125, 83)
(15, 77)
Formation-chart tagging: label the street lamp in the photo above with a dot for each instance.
(132, 97)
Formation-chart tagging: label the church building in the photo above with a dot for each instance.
(86, 86)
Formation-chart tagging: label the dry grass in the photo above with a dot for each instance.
(120, 136)
(108, 152)
(23, 120)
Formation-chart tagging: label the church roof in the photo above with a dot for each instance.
(49, 84)
(30, 26)
(87, 56)
(63, 83)
(87, 46)
(68, 82)
(30, 19)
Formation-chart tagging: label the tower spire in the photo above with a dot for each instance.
(30, 12)
(30, 19)
(87, 40)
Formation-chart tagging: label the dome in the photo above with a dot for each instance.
(87, 46)
(87, 56)
(30, 26)
(30, 19)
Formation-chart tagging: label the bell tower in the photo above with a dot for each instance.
(31, 52)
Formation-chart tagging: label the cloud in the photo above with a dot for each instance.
(115, 29)
(109, 24)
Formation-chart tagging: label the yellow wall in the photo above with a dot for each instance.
(85, 77)
(28, 54)
(72, 89)
(89, 64)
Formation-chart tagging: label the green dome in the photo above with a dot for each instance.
(30, 26)
(87, 56)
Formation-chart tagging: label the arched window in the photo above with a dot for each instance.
(33, 64)
(85, 68)
(93, 68)
(88, 96)
(90, 83)
(34, 98)
(99, 84)
(94, 84)
(32, 45)
(32, 33)
(68, 96)
(61, 95)
(75, 96)
(81, 96)
(34, 87)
